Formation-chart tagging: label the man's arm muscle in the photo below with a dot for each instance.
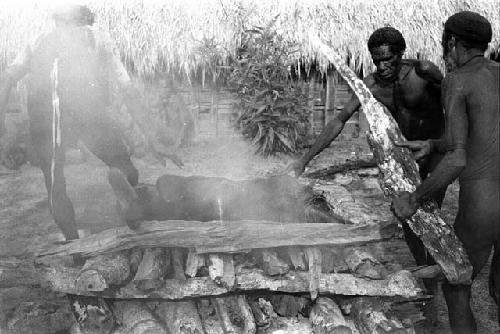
(455, 139)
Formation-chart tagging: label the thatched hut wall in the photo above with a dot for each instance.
(196, 36)
(193, 39)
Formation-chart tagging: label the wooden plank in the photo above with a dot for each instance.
(330, 97)
(329, 172)
(192, 263)
(400, 173)
(152, 268)
(314, 260)
(224, 237)
(401, 283)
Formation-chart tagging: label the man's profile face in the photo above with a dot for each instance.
(386, 61)
(449, 52)
(450, 62)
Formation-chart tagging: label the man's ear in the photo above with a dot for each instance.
(452, 43)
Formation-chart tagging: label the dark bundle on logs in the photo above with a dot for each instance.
(277, 198)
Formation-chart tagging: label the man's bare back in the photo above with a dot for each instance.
(471, 99)
(482, 108)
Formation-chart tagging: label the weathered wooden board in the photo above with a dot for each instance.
(224, 237)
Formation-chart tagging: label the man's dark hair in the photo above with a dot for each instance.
(389, 36)
(79, 14)
(86, 16)
(471, 29)
(482, 46)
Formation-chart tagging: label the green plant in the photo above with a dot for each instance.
(273, 110)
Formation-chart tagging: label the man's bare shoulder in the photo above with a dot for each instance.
(456, 79)
(428, 71)
(493, 65)
(467, 75)
(463, 81)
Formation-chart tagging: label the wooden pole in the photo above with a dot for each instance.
(311, 94)
(330, 97)
(399, 173)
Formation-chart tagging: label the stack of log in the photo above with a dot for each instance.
(350, 280)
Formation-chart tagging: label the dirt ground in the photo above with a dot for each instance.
(27, 227)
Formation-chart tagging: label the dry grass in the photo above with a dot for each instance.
(184, 37)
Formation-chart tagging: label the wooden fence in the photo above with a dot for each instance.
(216, 112)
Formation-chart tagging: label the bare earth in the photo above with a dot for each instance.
(26, 225)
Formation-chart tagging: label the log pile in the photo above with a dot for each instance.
(157, 289)
(245, 276)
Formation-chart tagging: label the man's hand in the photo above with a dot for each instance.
(296, 166)
(420, 148)
(404, 205)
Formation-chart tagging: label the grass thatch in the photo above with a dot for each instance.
(195, 36)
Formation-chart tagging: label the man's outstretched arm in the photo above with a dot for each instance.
(329, 133)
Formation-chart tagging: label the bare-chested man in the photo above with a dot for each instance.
(472, 153)
(411, 90)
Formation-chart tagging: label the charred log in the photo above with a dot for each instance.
(103, 271)
(137, 318)
(93, 315)
(180, 317)
(370, 316)
(326, 318)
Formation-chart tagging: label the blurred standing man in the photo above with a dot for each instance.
(471, 145)
(81, 64)
(411, 90)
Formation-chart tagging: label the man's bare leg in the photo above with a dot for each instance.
(128, 202)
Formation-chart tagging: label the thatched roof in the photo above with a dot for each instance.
(188, 36)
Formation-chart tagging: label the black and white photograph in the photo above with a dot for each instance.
(249, 167)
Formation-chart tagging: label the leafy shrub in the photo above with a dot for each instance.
(273, 110)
